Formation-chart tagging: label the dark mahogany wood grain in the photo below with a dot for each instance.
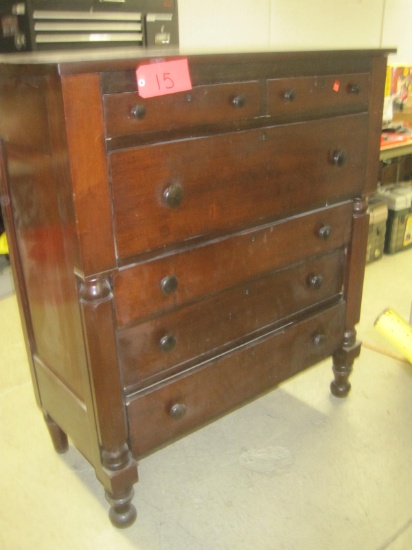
(237, 180)
(202, 105)
(120, 76)
(18, 273)
(378, 76)
(227, 317)
(41, 218)
(227, 262)
(84, 127)
(217, 386)
(177, 256)
(356, 263)
(311, 94)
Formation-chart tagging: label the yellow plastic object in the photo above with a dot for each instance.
(4, 247)
(397, 331)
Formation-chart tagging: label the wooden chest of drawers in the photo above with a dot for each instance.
(179, 255)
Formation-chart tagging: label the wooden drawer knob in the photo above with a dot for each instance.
(177, 411)
(339, 157)
(289, 95)
(169, 284)
(173, 195)
(319, 339)
(354, 89)
(167, 343)
(238, 101)
(315, 281)
(138, 111)
(325, 231)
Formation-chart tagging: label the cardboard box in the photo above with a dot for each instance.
(398, 86)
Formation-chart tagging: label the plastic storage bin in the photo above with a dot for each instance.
(399, 223)
(378, 215)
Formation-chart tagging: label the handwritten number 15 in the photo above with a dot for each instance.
(167, 81)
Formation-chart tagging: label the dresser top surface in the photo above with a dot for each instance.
(81, 61)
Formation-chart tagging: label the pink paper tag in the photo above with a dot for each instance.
(165, 77)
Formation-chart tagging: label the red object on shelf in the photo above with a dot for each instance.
(392, 139)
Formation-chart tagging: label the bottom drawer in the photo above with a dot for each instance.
(219, 385)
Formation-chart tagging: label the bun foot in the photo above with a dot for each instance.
(340, 389)
(122, 513)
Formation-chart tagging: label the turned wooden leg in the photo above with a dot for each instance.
(342, 364)
(58, 437)
(121, 471)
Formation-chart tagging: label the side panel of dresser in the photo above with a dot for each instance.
(36, 188)
(59, 220)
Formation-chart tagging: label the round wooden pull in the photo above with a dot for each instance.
(289, 95)
(177, 411)
(315, 281)
(169, 284)
(339, 157)
(167, 343)
(325, 231)
(319, 339)
(354, 89)
(238, 101)
(173, 195)
(138, 111)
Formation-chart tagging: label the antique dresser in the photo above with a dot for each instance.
(177, 255)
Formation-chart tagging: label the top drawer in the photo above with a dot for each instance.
(128, 113)
(347, 92)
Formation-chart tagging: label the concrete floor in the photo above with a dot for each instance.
(297, 469)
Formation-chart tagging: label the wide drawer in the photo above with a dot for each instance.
(317, 94)
(173, 280)
(176, 192)
(168, 343)
(221, 384)
(128, 113)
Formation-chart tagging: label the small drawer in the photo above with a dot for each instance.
(163, 345)
(175, 192)
(128, 113)
(167, 283)
(225, 382)
(318, 94)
